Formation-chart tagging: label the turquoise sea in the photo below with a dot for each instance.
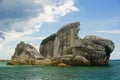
(32, 72)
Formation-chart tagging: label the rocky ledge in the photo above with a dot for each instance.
(66, 48)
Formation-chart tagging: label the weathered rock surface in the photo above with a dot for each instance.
(25, 54)
(75, 60)
(66, 48)
(57, 44)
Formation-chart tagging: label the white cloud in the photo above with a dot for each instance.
(115, 55)
(116, 52)
(109, 31)
(6, 52)
(51, 12)
(19, 29)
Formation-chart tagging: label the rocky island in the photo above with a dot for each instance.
(65, 48)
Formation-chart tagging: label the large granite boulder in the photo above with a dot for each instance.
(100, 48)
(25, 54)
(95, 49)
(66, 46)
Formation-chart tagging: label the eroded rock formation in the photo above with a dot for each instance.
(25, 54)
(65, 48)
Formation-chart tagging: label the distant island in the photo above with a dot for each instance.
(65, 48)
(4, 60)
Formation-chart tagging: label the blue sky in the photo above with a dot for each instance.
(33, 20)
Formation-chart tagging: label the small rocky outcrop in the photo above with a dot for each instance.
(66, 48)
(25, 54)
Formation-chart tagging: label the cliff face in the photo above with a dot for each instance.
(47, 46)
(66, 37)
(56, 45)
(65, 48)
(71, 50)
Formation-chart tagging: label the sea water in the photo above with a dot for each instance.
(33, 72)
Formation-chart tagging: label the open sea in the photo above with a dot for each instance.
(33, 72)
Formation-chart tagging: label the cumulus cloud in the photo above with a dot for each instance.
(19, 15)
(36, 13)
(20, 18)
(109, 31)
